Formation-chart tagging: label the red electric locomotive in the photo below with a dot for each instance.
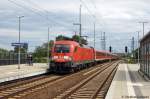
(69, 56)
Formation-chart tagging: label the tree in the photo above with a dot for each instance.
(40, 53)
(76, 38)
(22, 50)
(3, 50)
(79, 39)
(61, 37)
(4, 53)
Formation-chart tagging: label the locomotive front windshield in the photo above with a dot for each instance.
(62, 48)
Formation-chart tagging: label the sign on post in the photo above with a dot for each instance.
(20, 44)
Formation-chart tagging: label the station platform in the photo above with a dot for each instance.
(128, 83)
(11, 72)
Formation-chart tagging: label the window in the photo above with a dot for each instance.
(62, 48)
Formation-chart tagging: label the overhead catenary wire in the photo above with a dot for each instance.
(93, 4)
(39, 8)
(43, 13)
(89, 11)
(26, 8)
(99, 22)
(93, 15)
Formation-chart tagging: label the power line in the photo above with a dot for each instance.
(39, 9)
(90, 12)
(38, 12)
(96, 9)
(93, 4)
(31, 2)
(26, 8)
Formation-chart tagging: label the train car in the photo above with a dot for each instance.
(102, 56)
(69, 56)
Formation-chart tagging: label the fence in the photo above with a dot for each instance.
(12, 58)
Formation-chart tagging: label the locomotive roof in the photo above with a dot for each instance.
(67, 42)
(71, 42)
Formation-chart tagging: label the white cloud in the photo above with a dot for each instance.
(118, 18)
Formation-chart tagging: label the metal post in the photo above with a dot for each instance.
(138, 49)
(143, 23)
(94, 35)
(19, 41)
(80, 21)
(143, 28)
(19, 46)
(104, 41)
(80, 24)
(48, 49)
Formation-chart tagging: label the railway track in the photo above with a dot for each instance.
(13, 90)
(28, 88)
(19, 82)
(93, 87)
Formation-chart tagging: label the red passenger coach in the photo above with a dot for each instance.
(69, 56)
(104, 56)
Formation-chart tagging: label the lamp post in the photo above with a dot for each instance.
(19, 41)
(80, 23)
(79, 29)
(48, 49)
(143, 23)
(138, 47)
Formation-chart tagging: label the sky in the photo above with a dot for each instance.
(119, 19)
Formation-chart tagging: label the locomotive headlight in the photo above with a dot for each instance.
(67, 58)
(54, 57)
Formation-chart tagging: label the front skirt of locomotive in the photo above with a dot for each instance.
(61, 67)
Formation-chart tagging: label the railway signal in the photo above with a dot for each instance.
(110, 49)
(126, 49)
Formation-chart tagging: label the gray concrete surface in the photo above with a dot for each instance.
(11, 72)
(128, 84)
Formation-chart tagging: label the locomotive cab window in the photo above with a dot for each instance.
(62, 48)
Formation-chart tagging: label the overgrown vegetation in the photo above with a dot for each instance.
(76, 38)
(40, 53)
(132, 57)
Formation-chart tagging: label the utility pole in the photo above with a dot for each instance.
(138, 47)
(94, 35)
(103, 41)
(80, 21)
(132, 44)
(19, 41)
(48, 49)
(143, 23)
